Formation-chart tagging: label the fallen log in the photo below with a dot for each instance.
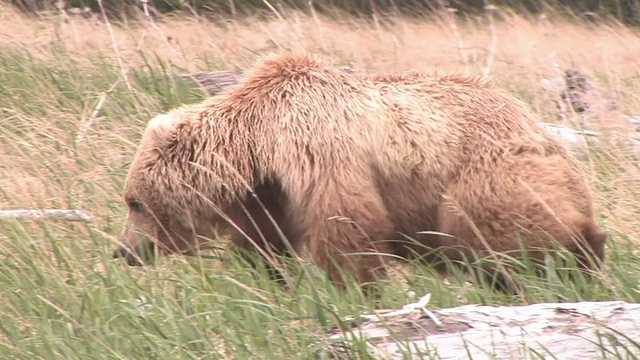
(60, 214)
(217, 81)
(584, 330)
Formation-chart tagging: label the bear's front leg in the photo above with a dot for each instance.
(344, 232)
(258, 226)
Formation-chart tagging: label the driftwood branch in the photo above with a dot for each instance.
(60, 214)
(585, 330)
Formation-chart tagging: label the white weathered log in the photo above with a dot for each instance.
(580, 141)
(576, 140)
(32, 214)
(584, 330)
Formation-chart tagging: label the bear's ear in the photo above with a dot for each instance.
(162, 128)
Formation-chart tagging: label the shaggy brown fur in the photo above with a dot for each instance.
(344, 164)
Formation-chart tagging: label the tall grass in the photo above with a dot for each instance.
(63, 297)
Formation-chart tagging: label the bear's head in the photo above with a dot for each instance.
(168, 213)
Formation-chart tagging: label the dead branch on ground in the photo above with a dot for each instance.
(60, 214)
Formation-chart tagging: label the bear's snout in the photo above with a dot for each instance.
(133, 259)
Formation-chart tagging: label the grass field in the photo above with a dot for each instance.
(62, 297)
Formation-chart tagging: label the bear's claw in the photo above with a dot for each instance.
(123, 253)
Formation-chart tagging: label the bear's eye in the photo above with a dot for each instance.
(135, 205)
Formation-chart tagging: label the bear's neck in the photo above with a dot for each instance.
(219, 156)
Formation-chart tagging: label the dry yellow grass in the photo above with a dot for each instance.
(526, 49)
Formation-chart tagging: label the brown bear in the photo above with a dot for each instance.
(348, 164)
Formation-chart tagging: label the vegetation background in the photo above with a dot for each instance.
(77, 88)
(623, 10)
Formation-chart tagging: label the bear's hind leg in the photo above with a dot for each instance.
(537, 203)
(591, 250)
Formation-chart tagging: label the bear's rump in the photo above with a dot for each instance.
(529, 202)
